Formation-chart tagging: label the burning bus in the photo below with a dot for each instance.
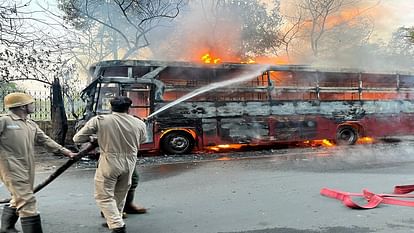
(191, 107)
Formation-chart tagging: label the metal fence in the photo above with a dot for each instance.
(42, 104)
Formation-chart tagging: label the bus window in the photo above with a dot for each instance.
(116, 71)
(338, 86)
(287, 85)
(140, 96)
(379, 86)
(107, 92)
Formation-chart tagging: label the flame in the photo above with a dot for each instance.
(225, 147)
(309, 143)
(365, 140)
(207, 58)
(249, 61)
(316, 143)
(213, 58)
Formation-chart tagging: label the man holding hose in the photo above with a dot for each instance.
(119, 137)
(18, 135)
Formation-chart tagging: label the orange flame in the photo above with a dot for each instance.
(315, 143)
(225, 147)
(365, 140)
(207, 58)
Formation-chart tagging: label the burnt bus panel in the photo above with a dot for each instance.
(229, 109)
(295, 128)
(257, 109)
(243, 130)
(210, 132)
(189, 110)
(167, 123)
(309, 128)
(210, 127)
(287, 130)
(306, 107)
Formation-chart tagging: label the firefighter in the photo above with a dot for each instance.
(18, 135)
(119, 135)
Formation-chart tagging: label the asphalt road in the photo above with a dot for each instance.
(260, 194)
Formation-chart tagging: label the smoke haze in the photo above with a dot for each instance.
(358, 35)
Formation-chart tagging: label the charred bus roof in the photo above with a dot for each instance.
(146, 71)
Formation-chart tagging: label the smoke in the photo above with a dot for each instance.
(357, 35)
(344, 159)
(200, 29)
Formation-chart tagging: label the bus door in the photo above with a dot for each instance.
(140, 94)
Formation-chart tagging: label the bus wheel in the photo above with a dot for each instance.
(177, 143)
(346, 135)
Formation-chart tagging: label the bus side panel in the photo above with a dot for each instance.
(388, 118)
(244, 130)
(243, 122)
(299, 120)
(210, 132)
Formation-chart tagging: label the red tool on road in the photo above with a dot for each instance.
(373, 199)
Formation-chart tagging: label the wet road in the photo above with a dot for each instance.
(275, 192)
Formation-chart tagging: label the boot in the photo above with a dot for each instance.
(31, 224)
(130, 207)
(8, 220)
(119, 230)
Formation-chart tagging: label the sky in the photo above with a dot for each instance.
(394, 13)
(390, 15)
(387, 15)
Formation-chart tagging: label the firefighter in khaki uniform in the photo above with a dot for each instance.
(119, 135)
(18, 134)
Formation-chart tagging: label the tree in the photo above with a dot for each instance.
(117, 29)
(400, 49)
(5, 89)
(259, 25)
(11, 23)
(326, 25)
(29, 52)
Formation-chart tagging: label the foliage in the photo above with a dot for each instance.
(408, 33)
(8, 88)
(324, 26)
(11, 23)
(259, 26)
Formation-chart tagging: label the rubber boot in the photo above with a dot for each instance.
(130, 207)
(119, 230)
(8, 220)
(31, 224)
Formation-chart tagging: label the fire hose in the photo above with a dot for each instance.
(83, 152)
(373, 199)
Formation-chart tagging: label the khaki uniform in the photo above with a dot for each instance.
(17, 140)
(119, 136)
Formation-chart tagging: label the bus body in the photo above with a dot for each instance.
(286, 103)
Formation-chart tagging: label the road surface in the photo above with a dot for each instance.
(262, 193)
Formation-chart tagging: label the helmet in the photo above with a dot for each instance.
(17, 99)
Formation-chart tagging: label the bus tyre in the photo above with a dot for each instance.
(346, 135)
(177, 143)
